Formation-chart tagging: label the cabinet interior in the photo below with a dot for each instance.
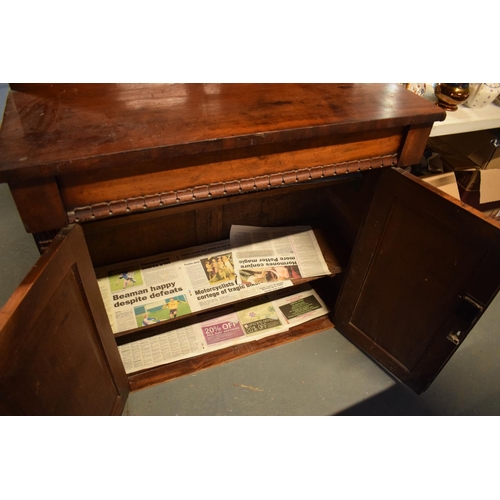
(334, 208)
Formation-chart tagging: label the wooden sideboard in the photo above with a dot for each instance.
(126, 172)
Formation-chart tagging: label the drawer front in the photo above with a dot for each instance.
(135, 188)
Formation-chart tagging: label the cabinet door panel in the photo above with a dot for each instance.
(424, 268)
(57, 352)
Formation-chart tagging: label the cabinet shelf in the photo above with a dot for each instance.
(173, 369)
(163, 373)
(335, 257)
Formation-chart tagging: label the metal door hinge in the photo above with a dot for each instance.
(454, 337)
(468, 309)
(471, 301)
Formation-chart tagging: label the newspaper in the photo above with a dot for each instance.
(260, 320)
(270, 254)
(175, 284)
(252, 262)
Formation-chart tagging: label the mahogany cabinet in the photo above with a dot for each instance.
(126, 172)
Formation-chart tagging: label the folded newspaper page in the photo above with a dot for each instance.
(175, 284)
(262, 319)
(272, 254)
(161, 349)
(210, 335)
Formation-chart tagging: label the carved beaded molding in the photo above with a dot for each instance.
(228, 188)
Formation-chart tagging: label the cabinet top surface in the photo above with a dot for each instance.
(48, 126)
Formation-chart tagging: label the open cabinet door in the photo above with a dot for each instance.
(424, 268)
(57, 351)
